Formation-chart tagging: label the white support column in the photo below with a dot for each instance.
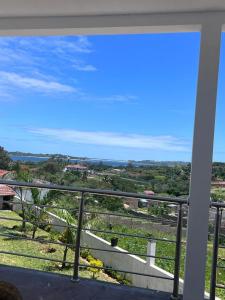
(151, 250)
(197, 234)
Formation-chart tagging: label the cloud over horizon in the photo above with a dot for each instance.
(162, 142)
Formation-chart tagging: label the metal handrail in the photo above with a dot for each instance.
(127, 252)
(34, 256)
(92, 191)
(79, 228)
(215, 266)
(147, 217)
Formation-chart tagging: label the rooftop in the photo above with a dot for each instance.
(149, 193)
(5, 190)
(3, 172)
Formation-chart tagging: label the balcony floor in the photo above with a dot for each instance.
(38, 285)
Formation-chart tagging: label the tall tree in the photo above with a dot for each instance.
(4, 159)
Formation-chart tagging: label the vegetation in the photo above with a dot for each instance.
(36, 247)
(67, 237)
(163, 248)
(169, 179)
(95, 266)
(4, 159)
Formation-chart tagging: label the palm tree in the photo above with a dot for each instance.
(36, 213)
(67, 237)
(21, 193)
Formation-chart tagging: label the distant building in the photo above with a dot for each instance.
(148, 202)
(149, 193)
(6, 194)
(118, 171)
(76, 167)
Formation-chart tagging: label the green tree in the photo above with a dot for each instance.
(4, 159)
(51, 167)
(110, 203)
(21, 193)
(36, 213)
(67, 237)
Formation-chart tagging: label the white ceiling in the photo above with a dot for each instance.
(20, 8)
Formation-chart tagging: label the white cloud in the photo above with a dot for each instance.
(118, 98)
(27, 51)
(84, 67)
(108, 99)
(44, 83)
(54, 44)
(166, 143)
(81, 44)
(10, 78)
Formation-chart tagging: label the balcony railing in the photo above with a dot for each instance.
(219, 207)
(76, 264)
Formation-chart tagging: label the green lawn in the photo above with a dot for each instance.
(34, 248)
(139, 245)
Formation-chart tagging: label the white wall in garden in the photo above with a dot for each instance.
(121, 261)
(128, 262)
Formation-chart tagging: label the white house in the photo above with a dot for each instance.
(6, 194)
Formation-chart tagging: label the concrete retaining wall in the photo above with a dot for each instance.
(148, 225)
(128, 262)
(121, 261)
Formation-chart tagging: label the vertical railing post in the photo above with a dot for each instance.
(78, 237)
(175, 294)
(215, 254)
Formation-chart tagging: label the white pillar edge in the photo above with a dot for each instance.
(202, 153)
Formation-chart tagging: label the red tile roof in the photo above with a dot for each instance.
(3, 172)
(149, 193)
(5, 190)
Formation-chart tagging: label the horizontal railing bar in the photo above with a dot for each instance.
(220, 286)
(129, 235)
(33, 256)
(123, 271)
(39, 205)
(220, 267)
(92, 191)
(11, 236)
(150, 218)
(129, 216)
(130, 253)
(218, 204)
(88, 229)
(37, 223)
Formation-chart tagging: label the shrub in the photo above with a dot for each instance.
(85, 253)
(94, 263)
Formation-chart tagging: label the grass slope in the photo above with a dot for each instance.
(34, 248)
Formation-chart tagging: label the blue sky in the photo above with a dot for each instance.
(117, 96)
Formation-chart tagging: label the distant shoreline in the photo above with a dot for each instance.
(107, 162)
